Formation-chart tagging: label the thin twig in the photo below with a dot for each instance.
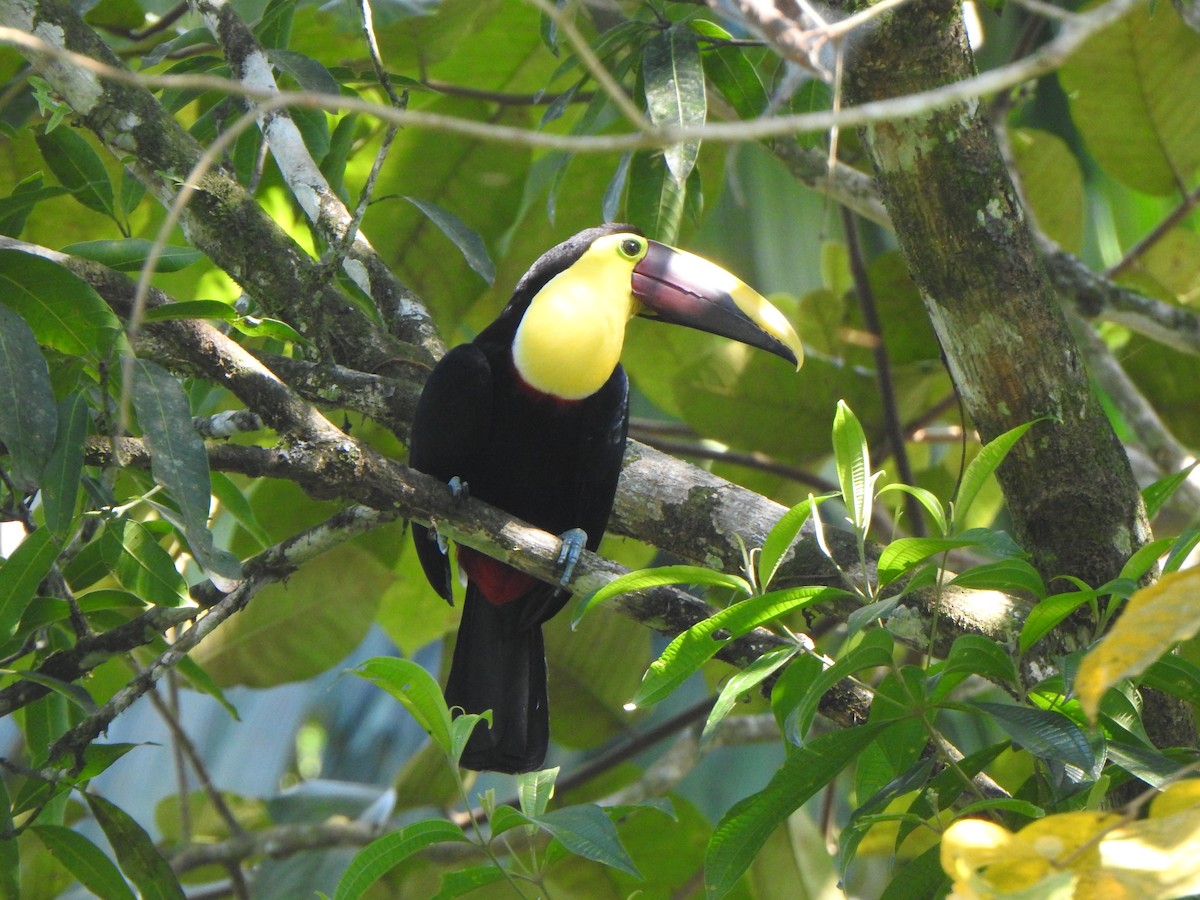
(1177, 215)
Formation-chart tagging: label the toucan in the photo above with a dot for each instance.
(531, 416)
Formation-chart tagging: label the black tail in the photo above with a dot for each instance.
(500, 664)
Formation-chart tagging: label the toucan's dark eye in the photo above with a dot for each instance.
(631, 248)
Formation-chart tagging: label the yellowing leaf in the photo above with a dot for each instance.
(1156, 618)
(1081, 855)
(1158, 857)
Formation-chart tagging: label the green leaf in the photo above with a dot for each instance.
(74, 693)
(874, 651)
(741, 683)
(308, 73)
(383, 854)
(466, 239)
(1144, 558)
(781, 537)
(974, 654)
(1002, 575)
(133, 189)
(274, 28)
(64, 468)
(1174, 675)
(1123, 87)
(21, 574)
(534, 790)
(416, 689)
(1156, 494)
(178, 461)
(654, 200)
(136, 854)
(663, 575)
(10, 856)
(79, 168)
(983, 465)
(64, 311)
(1044, 733)
(140, 565)
(86, 862)
(921, 877)
(1052, 183)
(1144, 763)
(902, 554)
(1044, 617)
(29, 421)
(461, 729)
(746, 826)
(15, 208)
(927, 499)
(702, 641)
(587, 832)
(674, 83)
(191, 309)
(463, 881)
(853, 467)
(731, 72)
(253, 326)
(130, 254)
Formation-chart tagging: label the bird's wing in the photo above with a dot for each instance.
(602, 447)
(451, 423)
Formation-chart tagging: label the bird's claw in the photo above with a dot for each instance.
(460, 490)
(573, 542)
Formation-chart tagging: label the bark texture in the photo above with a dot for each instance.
(970, 250)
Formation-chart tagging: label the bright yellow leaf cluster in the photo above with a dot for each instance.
(1153, 621)
(1081, 855)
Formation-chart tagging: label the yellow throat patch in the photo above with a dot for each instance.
(570, 338)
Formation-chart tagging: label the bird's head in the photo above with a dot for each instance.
(575, 300)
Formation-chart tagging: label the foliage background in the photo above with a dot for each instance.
(1105, 150)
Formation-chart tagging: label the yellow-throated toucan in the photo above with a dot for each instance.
(531, 416)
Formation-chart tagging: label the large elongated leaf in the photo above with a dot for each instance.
(85, 861)
(983, 465)
(130, 255)
(143, 567)
(1124, 90)
(138, 857)
(64, 468)
(1044, 733)
(781, 537)
(674, 80)
(416, 689)
(64, 311)
(731, 72)
(20, 575)
(700, 643)
(853, 467)
(28, 419)
(15, 208)
(465, 238)
(586, 831)
(10, 857)
(78, 167)
(178, 460)
(658, 577)
(654, 200)
(746, 826)
(387, 852)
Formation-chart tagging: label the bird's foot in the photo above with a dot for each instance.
(573, 542)
(461, 491)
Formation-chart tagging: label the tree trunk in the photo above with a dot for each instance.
(1070, 491)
